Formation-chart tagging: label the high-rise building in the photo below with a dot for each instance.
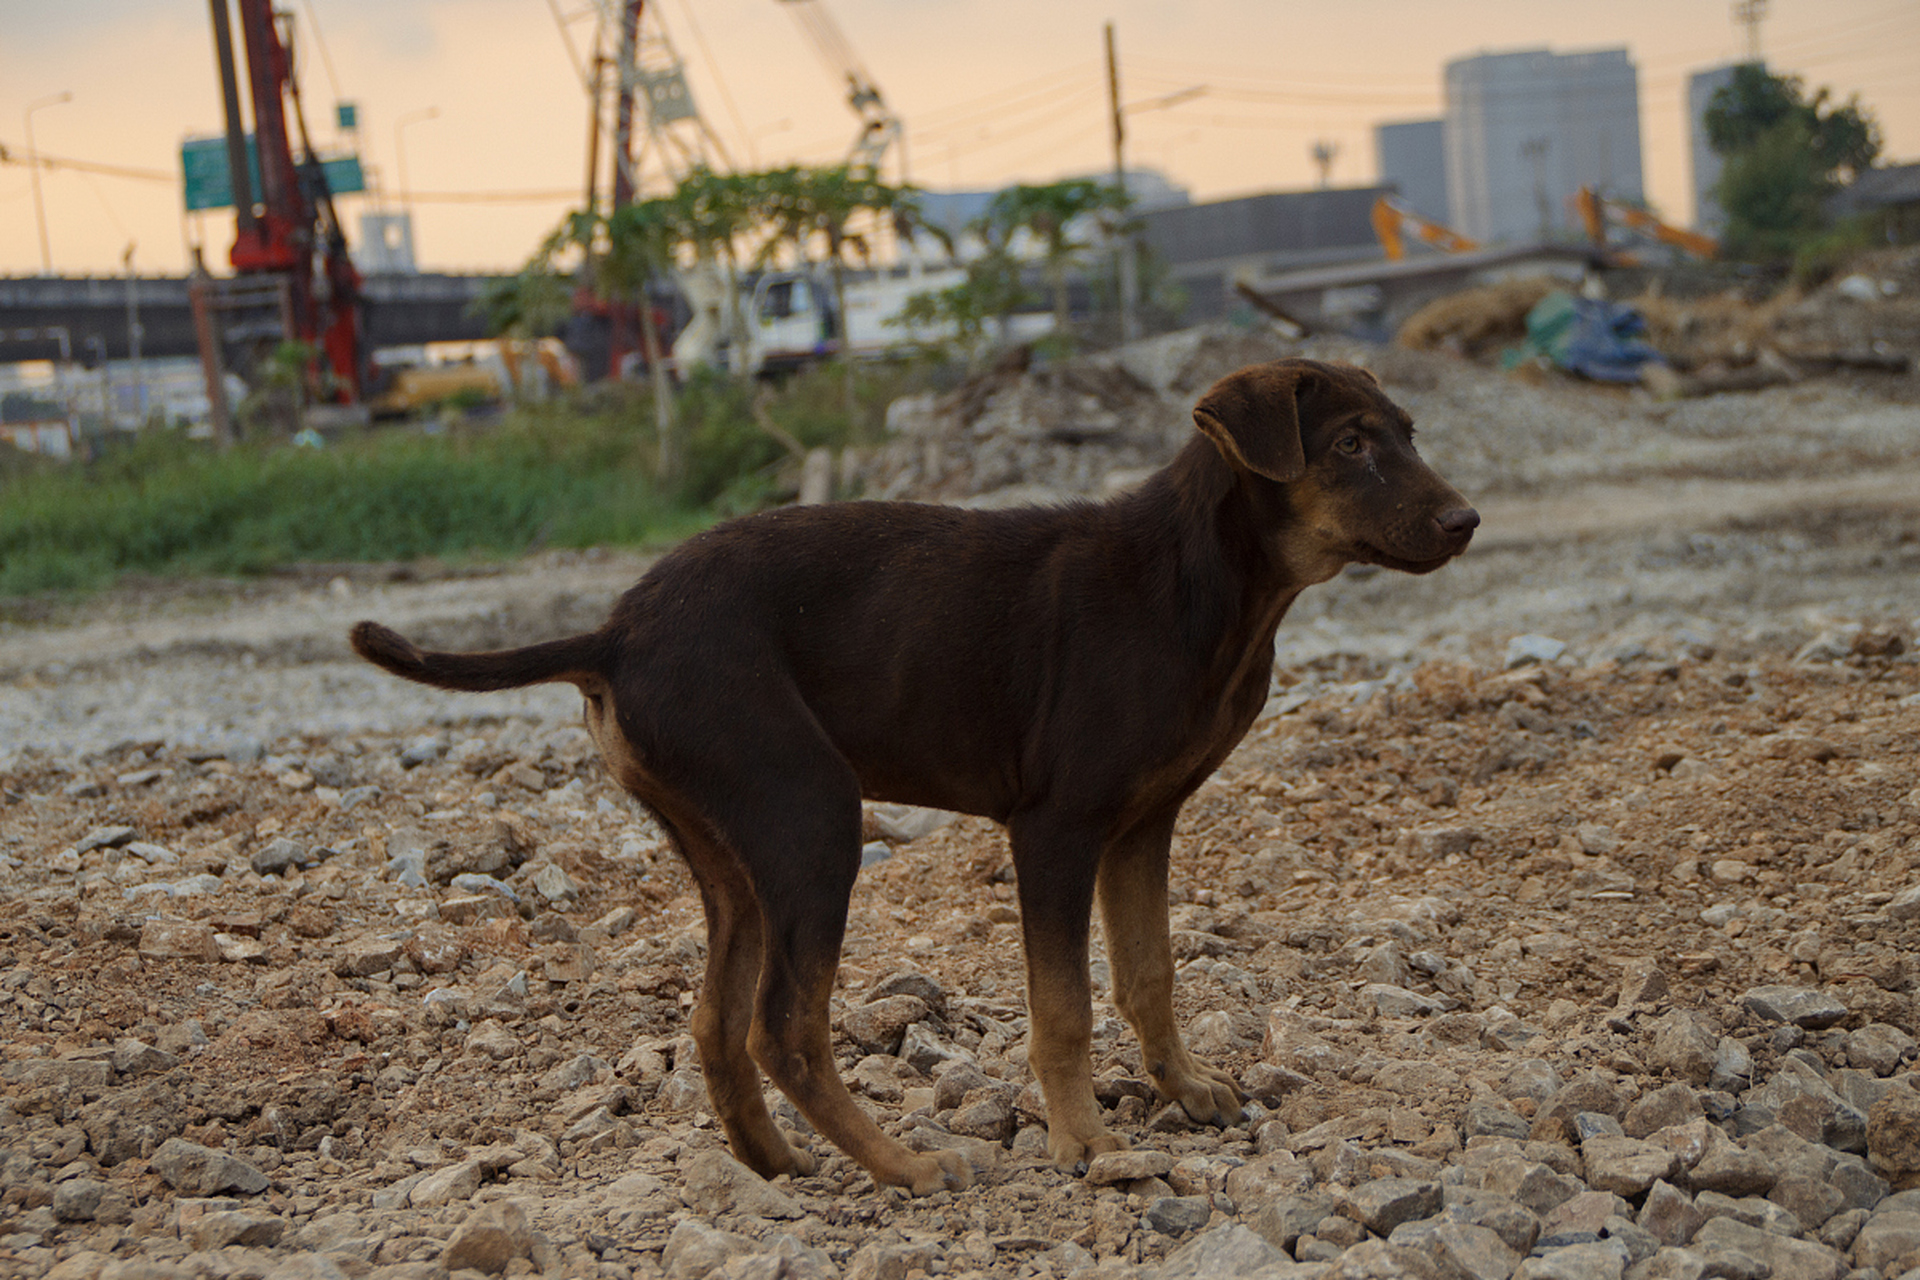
(1526, 130)
(1701, 86)
(1413, 158)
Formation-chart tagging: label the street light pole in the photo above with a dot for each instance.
(33, 167)
(400, 150)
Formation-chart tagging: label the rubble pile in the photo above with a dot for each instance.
(1865, 318)
(1018, 435)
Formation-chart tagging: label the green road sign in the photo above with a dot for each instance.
(207, 184)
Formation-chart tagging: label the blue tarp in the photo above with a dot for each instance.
(1588, 336)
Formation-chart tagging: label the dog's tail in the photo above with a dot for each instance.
(579, 660)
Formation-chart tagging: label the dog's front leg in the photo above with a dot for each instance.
(1056, 863)
(1133, 905)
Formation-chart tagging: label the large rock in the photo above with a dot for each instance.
(1806, 1007)
(1284, 1219)
(1885, 1239)
(492, 1237)
(1229, 1250)
(716, 1183)
(1463, 1251)
(1668, 1213)
(1379, 1260)
(235, 1226)
(1790, 1259)
(1729, 1169)
(1601, 1260)
(1532, 1184)
(1893, 1134)
(1626, 1166)
(1384, 1203)
(1685, 1046)
(448, 1184)
(878, 1026)
(194, 1170)
(162, 939)
(1811, 1108)
(1112, 1167)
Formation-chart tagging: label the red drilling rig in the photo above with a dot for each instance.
(288, 236)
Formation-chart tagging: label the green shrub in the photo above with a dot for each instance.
(564, 474)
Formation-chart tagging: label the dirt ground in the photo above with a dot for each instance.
(1664, 715)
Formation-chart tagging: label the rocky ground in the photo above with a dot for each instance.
(1557, 916)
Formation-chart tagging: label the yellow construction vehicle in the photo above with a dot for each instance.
(1598, 211)
(1392, 219)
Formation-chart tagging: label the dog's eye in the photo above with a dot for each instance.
(1349, 444)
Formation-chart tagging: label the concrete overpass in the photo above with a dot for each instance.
(402, 310)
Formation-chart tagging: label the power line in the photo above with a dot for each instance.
(326, 58)
(45, 161)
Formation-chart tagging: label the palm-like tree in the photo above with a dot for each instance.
(1051, 214)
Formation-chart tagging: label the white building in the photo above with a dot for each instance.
(1526, 130)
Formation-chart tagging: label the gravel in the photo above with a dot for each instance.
(1594, 964)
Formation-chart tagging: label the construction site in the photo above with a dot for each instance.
(1556, 918)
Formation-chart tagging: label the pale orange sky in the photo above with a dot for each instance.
(991, 91)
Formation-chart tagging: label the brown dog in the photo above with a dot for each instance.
(1074, 672)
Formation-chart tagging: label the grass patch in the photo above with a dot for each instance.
(562, 475)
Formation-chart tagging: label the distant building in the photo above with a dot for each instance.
(1891, 195)
(386, 245)
(1526, 130)
(1413, 157)
(1207, 246)
(1701, 86)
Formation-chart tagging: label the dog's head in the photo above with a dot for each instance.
(1341, 454)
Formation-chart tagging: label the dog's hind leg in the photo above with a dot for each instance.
(791, 809)
(1055, 861)
(1133, 906)
(725, 1014)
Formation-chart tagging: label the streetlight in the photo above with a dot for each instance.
(33, 166)
(400, 149)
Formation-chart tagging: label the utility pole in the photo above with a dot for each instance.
(134, 333)
(1749, 13)
(33, 168)
(1535, 150)
(1129, 274)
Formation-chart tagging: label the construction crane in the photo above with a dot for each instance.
(1598, 212)
(288, 237)
(1392, 219)
(880, 128)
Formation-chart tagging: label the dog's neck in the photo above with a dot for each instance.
(1233, 580)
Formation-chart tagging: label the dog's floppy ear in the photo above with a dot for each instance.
(1253, 418)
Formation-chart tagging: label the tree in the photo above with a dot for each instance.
(643, 241)
(1785, 155)
(1051, 214)
(809, 210)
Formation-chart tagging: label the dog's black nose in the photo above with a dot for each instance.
(1458, 521)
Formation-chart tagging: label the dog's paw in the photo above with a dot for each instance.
(1208, 1095)
(940, 1171)
(1070, 1154)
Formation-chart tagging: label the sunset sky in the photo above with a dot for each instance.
(991, 91)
